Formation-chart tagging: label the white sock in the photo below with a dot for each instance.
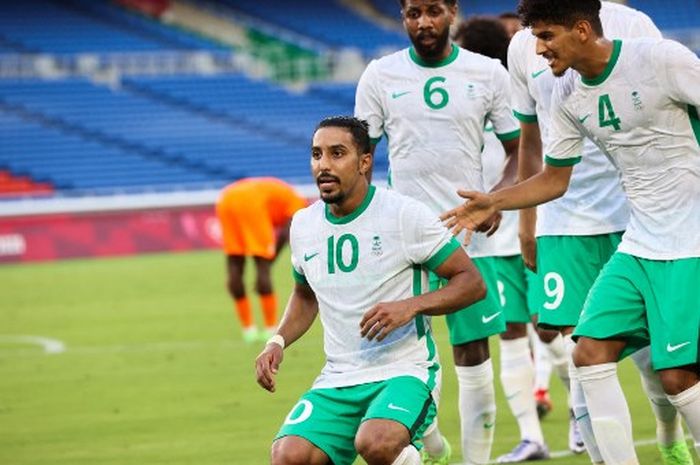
(432, 440)
(559, 359)
(609, 413)
(517, 378)
(688, 404)
(668, 422)
(477, 411)
(578, 405)
(408, 456)
(543, 365)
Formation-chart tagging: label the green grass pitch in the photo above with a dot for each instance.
(155, 371)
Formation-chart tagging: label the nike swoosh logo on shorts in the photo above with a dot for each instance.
(488, 319)
(670, 348)
(391, 406)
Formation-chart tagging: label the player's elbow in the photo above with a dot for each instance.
(477, 290)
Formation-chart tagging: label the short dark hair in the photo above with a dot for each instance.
(508, 15)
(358, 128)
(485, 35)
(402, 3)
(562, 12)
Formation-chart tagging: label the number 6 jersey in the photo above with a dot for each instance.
(352, 263)
(434, 116)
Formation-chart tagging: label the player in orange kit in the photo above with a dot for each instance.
(254, 214)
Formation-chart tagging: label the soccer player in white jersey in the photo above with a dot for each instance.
(487, 36)
(591, 216)
(637, 100)
(360, 257)
(432, 100)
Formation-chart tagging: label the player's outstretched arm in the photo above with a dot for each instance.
(299, 315)
(547, 185)
(465, 286)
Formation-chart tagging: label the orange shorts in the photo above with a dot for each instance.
(246, 227)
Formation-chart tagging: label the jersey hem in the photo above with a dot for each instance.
(525, 118)
(561, 162)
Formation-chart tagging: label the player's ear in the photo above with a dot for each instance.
(365, 163)
(583, 30)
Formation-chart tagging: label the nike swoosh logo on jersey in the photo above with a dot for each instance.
(399, 94)
(309, 257)
(536, 74)
(584, 118)
(391, 406)
(670, 348)
(488, 319)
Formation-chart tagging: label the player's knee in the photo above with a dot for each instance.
(471, 353)
(547, 335)
(676, 381)
(286, 452)
(514, 331)
(375, 446)
(589, 352)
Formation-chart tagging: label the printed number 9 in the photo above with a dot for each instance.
(554, 289)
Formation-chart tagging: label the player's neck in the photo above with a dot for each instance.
(350, 203)
(596, 59)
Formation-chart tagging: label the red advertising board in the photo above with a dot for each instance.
(97, 234)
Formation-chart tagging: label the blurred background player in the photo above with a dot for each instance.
(254, 214)
(432, 101)
(516, 284)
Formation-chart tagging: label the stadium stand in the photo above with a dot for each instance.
(327, 21)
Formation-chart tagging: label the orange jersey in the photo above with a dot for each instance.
(250, 210)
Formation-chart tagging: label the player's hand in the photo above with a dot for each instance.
(267, 364)
(385, 317)
(528, 249)
(491, 225)
(477, 210)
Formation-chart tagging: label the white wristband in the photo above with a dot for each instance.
(276, 339)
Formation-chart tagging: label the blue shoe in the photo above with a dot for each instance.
(525, 451)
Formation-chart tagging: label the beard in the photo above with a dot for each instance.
(431, 52)
(330, 197)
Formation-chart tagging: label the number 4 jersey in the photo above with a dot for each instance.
(352, 263)
(642, 113)
(434, 115)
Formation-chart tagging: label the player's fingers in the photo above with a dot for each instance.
(468, 236)
(465, 194)
(368, 324)
(449, 215)
(265, 375)
(495, 225)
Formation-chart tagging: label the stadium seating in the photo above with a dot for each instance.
(327, 21)
(679, 14)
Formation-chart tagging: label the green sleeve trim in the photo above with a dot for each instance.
(509, 135)
(525, 118)
(442, 254)
(375, 140)
(560, 163)
(298, 277)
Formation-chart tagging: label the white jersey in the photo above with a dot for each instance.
(433, 116)
(352, 263)
(505, 242)
(594, 202)
(642, 112)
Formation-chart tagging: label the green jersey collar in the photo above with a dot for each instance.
(433, 64)
(357, 212)
(598, 80)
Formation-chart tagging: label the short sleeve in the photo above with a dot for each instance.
(426, 240)
(297, 270)
(368, 102)
(524, 106)
(678, 71)
(566, 141)
(505, 126)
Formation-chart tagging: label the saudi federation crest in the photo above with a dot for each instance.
(377, 246)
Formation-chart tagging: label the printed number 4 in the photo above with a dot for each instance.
(606, 113)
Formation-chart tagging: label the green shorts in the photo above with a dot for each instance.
(515, 284)
(329, 418)
(645, 302)
(567, 267)
(482, 319)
